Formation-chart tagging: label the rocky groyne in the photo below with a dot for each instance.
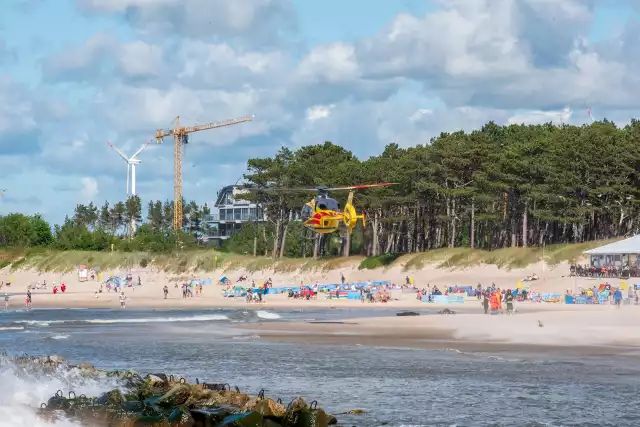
(160, 400)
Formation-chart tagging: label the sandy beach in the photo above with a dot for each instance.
(150, 294)
(579, 327)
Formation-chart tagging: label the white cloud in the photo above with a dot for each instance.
(333, 63)
(539, 117)
(319, 112)
(510, 61)
(89, 188)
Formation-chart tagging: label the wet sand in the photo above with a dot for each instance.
(590, 330)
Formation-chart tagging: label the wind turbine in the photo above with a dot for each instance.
(131, 165)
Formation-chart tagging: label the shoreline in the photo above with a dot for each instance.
(579, 332)
(405, 302)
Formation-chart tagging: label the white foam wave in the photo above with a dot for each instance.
(40, 323)
(60, 337)
(246, 337)
(20, 394)
(267, 315)
(11, 328)
(203, 318)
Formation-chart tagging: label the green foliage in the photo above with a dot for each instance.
(498, 189)
(383, 260)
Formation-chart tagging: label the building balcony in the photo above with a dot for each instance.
(232, 218)
(219, 234)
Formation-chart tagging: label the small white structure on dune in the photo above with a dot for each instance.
(624, 252)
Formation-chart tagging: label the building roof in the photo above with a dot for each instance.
(626, 246)
(222, 192)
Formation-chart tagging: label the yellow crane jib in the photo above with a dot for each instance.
(180, 136)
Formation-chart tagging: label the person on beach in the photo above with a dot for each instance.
(485, 301)
(28, 299)
(123, 300)
(166, 291)
(508, 298)
(6, 301)
(617, 297)
(479, 291)
(493, 301)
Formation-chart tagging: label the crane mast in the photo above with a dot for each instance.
(180, 136)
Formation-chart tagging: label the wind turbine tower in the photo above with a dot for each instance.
(132, 162)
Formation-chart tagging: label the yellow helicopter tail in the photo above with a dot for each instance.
(351, 217)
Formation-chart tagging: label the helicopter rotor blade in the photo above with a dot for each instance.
(281, 189)
(319, 189)
(360, 187)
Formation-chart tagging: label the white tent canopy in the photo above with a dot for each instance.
(623, 247)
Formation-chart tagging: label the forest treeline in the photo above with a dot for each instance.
(496, 187)
(120, 226)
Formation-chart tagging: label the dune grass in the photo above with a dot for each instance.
(48, 260)
(174, 263)
(503, 258)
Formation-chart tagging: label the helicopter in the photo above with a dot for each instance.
(323, 215)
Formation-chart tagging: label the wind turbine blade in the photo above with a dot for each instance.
(117, 150)
(140, 150)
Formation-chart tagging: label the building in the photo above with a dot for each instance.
(621, 253)
(230, 214)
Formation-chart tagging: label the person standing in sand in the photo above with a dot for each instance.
(6, 301)
(485, 301)
(166, 291)
(28, 298)
(508, 298)
(617, 297)
(123, 300)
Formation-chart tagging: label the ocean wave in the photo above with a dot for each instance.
(21, 391)
(11, 328)
(59, 337)
(267, 315)
(40, 323)
(246, 337)
(202, 318)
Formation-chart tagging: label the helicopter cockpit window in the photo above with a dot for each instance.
(306, 211)
(331, 205)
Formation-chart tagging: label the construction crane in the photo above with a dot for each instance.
(181, 136)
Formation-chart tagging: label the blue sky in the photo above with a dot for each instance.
(74, 73)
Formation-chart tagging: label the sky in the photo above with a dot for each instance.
(75, 74)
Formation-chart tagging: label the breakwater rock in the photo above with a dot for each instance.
(160, 400)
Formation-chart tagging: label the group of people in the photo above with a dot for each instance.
(188, 290)
(494, 298)
(604, 271)
(256, 295)
(27, 303)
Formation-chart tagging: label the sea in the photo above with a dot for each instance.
(395, 386)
